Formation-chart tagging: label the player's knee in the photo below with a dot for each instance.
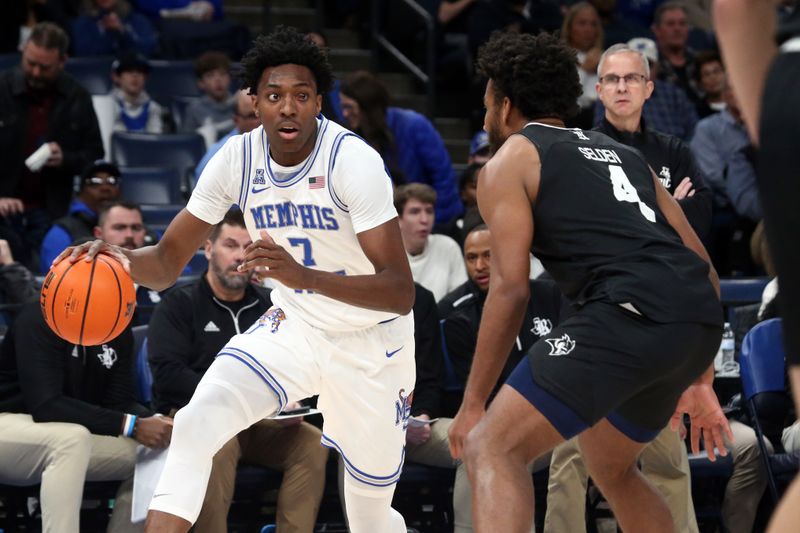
(476, 448)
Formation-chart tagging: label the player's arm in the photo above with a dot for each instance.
(390, 288)
(505, 205)
(746, 32)
(157, 266)
(677, 219)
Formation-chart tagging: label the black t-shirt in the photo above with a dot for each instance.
(600, 234)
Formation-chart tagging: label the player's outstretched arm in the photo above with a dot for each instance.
(746, 34)
(390, 288)
(504, 199)
(158, 266)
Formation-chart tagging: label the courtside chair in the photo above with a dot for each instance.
(762, 366)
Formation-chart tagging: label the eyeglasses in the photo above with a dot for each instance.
(633, 79)
(97, 180)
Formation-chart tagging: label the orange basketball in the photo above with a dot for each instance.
(88, 303)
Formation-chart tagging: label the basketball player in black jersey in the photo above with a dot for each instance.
(763, 58)
(639, 347)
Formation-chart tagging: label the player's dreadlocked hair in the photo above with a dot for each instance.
(537, 73)
(282, 46)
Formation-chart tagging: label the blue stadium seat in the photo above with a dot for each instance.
(198, 263)
(151, 185)
(93, 73)
(762, 365)
(160, 214)
(182, 151)
(741, 291)
(168, 79)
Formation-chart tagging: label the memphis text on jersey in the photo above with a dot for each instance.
(287, 214)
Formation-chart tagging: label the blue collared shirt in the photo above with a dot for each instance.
(722, 148)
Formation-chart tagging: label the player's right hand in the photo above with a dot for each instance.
(154, 431)
(91, 249)
(466, 419)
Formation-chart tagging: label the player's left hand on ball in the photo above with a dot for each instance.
(269, 260)
(707, 419)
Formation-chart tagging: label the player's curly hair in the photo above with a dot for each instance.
(538, 73)
(282, 46)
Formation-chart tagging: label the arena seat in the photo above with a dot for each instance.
(160, 215)
(151, 185)
(168, 79)
(93, 73)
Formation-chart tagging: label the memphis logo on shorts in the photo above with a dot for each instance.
(273, 319)
(541, 326)
(403, 408)
(561, 346)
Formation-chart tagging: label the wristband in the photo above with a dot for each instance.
(130, 425)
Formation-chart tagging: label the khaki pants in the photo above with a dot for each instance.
(748, 481)
(663, 461)
(436, 452)
(296, 451)
(61, 456)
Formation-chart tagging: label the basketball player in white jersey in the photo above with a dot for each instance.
(318, 205)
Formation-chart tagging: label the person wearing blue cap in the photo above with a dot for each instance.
(479, 151)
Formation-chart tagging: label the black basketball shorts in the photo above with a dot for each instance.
(608, 362)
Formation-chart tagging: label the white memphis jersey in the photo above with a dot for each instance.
(314, 210)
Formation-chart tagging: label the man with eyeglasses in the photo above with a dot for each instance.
(624, 86)
(667, 108)
(244, 120)
(99, 183)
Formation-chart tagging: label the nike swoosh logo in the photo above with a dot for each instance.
(389, 354)
(256, 191)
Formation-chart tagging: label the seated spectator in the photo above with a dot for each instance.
(435, 260)
(68, 415)
(41, 105)
(112, 28)
(409, 144)
(500, 15)
(134, 110)
(99, 184)
(726, 156)
(668, 110)
(120, 223)
(17, 286)
(677, 60)
(215, 108)
(710, 72)
(479, 148)
(582, 31)
(189, 327)
(244, 120)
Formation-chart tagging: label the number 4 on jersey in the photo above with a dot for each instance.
(624, 191)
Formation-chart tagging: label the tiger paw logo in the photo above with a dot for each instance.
(561, 346)
(403, 408)
(541, 326)
(273, 319)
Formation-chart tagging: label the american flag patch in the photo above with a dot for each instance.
(317, 182)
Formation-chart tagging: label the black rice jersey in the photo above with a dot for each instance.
(600, 234)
